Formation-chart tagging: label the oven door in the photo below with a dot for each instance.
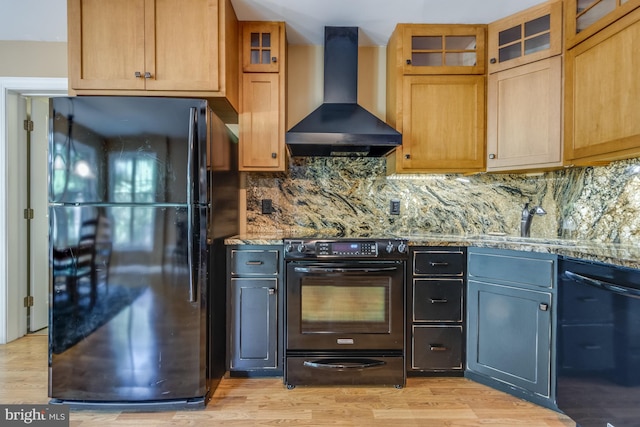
(354, 305)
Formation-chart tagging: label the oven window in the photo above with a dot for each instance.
(355, 305)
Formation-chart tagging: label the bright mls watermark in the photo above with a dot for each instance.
(34, 415)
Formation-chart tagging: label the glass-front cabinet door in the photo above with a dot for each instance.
(443, 49)
(528, 36)
(586, 17)
(260, 47)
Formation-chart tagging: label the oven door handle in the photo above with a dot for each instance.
(343, 270)
(343, 365)
(621, 290)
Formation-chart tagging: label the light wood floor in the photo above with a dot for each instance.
(252, 402)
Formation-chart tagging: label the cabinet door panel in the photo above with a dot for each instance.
(254, 332)
(182, 54)
(603, 93)
(524, 120)
(106, 43)
(444, 122)
(509, 335)
(260, 139)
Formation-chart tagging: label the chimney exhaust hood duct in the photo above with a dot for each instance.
(341, 127)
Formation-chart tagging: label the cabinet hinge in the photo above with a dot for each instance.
(28, 213)
(28, 301)
(28, 125)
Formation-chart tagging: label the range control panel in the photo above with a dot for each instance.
(347, 248)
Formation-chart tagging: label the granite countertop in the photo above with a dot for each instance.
(617, 254)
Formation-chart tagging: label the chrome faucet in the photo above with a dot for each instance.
(527, 217)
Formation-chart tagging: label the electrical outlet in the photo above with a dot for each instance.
(395, 207)
(267, 206)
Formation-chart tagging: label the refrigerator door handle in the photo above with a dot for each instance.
(192, 163)
(192, 176)
(192, 280)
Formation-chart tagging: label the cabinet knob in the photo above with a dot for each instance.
(274, 59)
(408, 62)
(272, 291)
(492, 156)
(407, 156)
(544, 306)
(147, 75)
(274, 155)
(493, 60)
(138, 74)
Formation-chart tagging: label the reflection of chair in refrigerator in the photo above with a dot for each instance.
(103, 248)
(180, 254)
(76, 265)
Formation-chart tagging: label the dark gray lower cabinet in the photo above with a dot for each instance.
(508, 337)
(254, 330)
(255, 343)
(435, 301)
(510, 322)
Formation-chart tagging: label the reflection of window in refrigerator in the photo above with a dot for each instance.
(133, 181)
(72, 177)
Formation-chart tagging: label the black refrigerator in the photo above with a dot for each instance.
(142, 193)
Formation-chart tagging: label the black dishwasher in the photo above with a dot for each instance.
(598, 348)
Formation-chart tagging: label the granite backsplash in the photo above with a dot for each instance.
(353, 195)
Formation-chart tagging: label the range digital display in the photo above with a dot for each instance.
(349, 247)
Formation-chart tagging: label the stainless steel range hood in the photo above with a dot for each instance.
(341, 127)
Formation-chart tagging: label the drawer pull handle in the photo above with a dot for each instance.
(592, 347)
(437, 347)
(438, 300)
(588, 299)
(254, 263)
(438, 264)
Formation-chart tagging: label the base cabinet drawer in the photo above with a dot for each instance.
(439, 263)
(587, 347)
(437, 347)
(438, 300)
(254, 262)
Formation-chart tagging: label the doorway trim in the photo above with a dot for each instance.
(12, 325)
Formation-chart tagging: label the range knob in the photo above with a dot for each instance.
(402, 247)
(389, 247)
(301, 248)
(288, 247)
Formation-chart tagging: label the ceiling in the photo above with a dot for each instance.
(45, 20)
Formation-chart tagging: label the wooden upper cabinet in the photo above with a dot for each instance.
(525, 37)
(262, 111)
(182, 45)
(602, 95)
(524, 117)
(261, 47)
(154, 47)
(436, 98)
(443, 124)
(442, 49)
(106, 44)
(584, 18)
(261, 130)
